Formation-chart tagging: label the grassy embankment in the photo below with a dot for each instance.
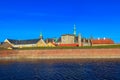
(1, 48)
(84, 47)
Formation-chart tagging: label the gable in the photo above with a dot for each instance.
(7, 45)
(7, 41)
(41, 43)
(50, 44)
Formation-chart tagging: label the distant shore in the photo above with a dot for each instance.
(60, 54)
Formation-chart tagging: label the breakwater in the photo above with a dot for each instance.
(60, 54)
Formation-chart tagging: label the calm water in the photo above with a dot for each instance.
(60, 70)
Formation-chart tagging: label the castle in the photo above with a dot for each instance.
(65, 40)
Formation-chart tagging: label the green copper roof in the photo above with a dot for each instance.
(74, 30)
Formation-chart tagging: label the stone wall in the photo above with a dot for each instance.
(60, 54)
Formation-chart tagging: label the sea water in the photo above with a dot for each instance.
(60, 70)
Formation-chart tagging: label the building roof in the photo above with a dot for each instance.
(49, 40)
(17, 42)
(59, 39)
(1, 43)
(68, 34)
(68, 45)
(102, 41)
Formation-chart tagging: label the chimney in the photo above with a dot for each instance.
(98, 38)
(46, 40)
(104, 38)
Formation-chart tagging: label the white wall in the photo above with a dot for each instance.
(25, 45)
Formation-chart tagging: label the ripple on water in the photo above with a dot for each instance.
(60, 71)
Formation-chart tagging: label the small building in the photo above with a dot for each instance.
(68, 45)
(41, 43)
(51, 42)
(103, 41)
(26, 43)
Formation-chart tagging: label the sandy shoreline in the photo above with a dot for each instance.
(60, 54)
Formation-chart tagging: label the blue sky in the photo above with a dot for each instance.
(25, 19)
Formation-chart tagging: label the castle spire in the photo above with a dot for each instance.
(41, 36)
(74, 30)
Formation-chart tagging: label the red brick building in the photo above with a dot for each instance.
(103, 41)
(68, 45)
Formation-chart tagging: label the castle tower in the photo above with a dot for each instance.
(41, 36)
(74, 30)
(79, 39)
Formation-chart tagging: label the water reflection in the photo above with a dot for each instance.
(60, 70)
